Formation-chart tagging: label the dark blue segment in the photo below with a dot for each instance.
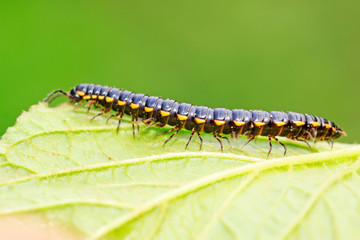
(309, 119)
(143, 102)
(238, 115)
(175, 109)
(129, 99)
(286, 118)
(97, 89)
(266, 118)
(112, 92)
(322, 122)
(241, 115)
(150, 103)
(104, 90)
(228, 121)
(276, 116)
(293, 116)
(201, 112)
(173, 114)
(302, 117)
(209, 116)
(115, 105)
(279, 116)
(138, 98)
(219, 114)
(167, 105)
(228, 116)
(258, 116)
(248, 116)
(192, 113)
(82, 87)
(117, 96)
(90, 89)
(208, 128)
(158, 104)
(125, 95)
(184, 109)
(190, 122)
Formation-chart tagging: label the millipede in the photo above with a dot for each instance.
(155, 111)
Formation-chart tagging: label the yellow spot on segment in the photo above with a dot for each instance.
(80, 93)
(259, 124)
(239, 123)
(333, 129)
(315, 124)
(182, 117)
(279, 123)
(298, 123)
(121, 103)
(109, 99)
(219, 123)
(94, 96)
(327, 125)
(101, 97)
(199, 121)
(86, 97)
(134, 106)
(164, 114)
(147, 109)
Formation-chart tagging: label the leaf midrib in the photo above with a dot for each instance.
(133, 161)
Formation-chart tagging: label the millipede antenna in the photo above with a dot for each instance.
(61, 92)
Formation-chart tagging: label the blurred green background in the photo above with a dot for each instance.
(293, 56)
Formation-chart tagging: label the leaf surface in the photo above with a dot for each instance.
(56, 163)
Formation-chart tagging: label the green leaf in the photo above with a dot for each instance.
(57, 163)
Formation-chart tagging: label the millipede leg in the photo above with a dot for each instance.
(315, 134)
(233, 135)
(172, 135)
(191, 135)
(147, 121)
(133, 124)
(151, 124)
(89, 105)
(285, 149)
(137, 124)
(79, 105)
(119, 122)
(310, 135)
(201, 140)
(221, 145)
(331, 143)
(227, 139)
(307, 143)
(111, 116)
(99, 114)
(269, 148)
(248, 141)
(168, 131)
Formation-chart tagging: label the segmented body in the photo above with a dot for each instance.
(154, 110)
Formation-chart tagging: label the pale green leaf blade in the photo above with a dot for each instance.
(56, 163)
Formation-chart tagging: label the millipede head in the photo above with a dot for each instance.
(74, 96)
(337, 132)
